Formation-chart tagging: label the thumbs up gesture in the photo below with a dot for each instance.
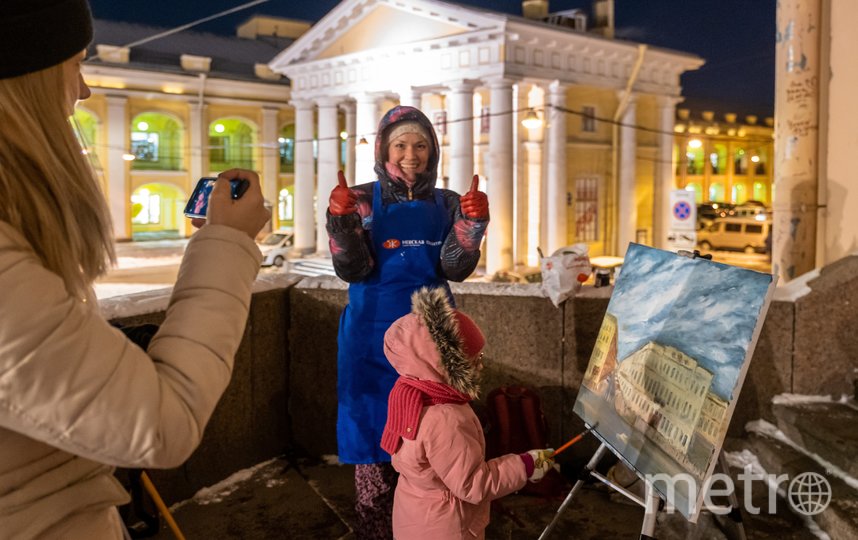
(475, 204)
(342, 201)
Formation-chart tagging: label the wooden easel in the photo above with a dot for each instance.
(651, 502)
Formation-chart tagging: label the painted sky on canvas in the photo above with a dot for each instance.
(706, 310)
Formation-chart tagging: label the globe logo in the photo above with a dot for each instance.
(809, 493)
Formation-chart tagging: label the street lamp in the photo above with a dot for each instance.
(531, 120)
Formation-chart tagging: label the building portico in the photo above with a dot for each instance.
(469, 70)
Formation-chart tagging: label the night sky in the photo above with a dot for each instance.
(736, 37)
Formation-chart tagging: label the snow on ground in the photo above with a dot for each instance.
(748, 461)
(770, 430)
(217, 492)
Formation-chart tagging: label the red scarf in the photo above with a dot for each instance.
(404, 405)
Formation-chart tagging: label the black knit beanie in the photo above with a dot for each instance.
(38, 34)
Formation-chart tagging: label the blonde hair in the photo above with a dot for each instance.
(48, 191)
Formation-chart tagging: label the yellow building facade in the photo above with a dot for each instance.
(724, 159)
(156, 123)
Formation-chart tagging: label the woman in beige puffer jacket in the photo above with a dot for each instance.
(76, 396)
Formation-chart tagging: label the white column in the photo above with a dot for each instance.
(367, 123)
(329, 164)
(118, 196)
(196, 136)
(533, 183)
(556, 186)
(411, 97)
(521, 256)
(627, 210)
(460, 122)
(270, 162)
(499, 243)
(664, 182)
(351, 143)
(305, 181)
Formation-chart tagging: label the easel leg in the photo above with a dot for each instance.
(585, 473)
(735, 510)
(650, 513)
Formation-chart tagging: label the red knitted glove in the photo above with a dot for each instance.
(475, 204)
(342, 201)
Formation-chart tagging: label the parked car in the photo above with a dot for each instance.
(751, 209)
(736, 234)
(275, 246)
(711, 210)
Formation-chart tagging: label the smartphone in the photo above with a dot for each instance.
(198, 204)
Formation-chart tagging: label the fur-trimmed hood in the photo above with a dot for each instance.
(428, 343)
(425, 183)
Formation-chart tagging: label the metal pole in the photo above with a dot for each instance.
(650, 513)
(585, 473)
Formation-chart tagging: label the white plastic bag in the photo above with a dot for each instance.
(564, 272)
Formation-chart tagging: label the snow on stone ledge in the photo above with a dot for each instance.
(468, 287)
(156, 300)
(798, 399)
(795, 289)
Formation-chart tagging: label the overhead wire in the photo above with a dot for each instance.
(184, 27)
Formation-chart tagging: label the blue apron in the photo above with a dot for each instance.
(406, 239)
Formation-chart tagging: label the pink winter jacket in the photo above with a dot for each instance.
(445, 485)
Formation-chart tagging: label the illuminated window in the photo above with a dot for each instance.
(86, 128)
(285, 210)
(144, 146)
(156, 142)
(439, 120)
(740, 194)
(760, 192)
(718, 159)
(586, 209)
(286, 142)
(231, 144)
(149, 210)
(740, 161)
(588, 119)
(694, 157)
(716, 191)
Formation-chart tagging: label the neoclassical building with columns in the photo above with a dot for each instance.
(596, 167)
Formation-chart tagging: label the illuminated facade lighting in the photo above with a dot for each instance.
(532, 120)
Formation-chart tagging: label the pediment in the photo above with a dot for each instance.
(356, 26)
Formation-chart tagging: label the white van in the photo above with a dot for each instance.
(275, 246)
(736, 234)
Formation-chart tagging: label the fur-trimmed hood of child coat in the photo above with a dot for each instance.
(435, 343)
(445, 486)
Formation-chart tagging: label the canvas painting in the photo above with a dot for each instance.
(668, 365)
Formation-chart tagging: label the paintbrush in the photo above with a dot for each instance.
(575, 439)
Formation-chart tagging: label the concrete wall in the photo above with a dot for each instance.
(282, 398)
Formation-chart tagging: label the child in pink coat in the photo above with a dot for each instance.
(445, 484)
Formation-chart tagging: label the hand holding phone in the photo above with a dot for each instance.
(198, 204)
(235, 200)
